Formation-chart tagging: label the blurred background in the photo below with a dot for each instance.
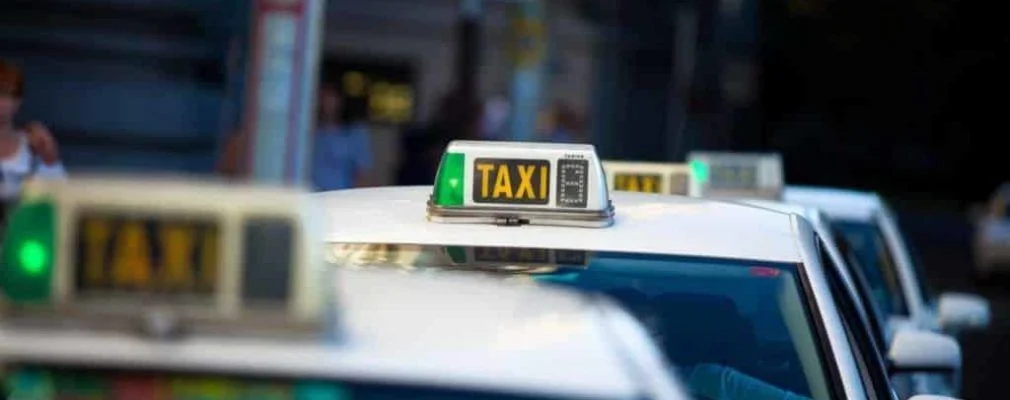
(898, 97)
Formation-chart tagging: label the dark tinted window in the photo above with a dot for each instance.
(267, 258)
(867, 242)
(866, 353)
(925, 289)
(877, 319)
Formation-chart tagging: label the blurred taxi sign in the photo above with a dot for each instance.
(109, 246)
(515, 255)
(648, 177)
(727, 174)
(169, 255)
(516, 183)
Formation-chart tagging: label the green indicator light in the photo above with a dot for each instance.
(26, 256)
(700, 171)
(449, 183)
(33, 257)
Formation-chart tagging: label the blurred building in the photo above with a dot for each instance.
(412, 45)
(139, 84)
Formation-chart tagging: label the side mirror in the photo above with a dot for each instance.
(922, 351)
(931, 397)
(959, 311)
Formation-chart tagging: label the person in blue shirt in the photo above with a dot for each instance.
(342, 153)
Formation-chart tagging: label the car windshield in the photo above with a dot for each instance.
(723, 323)
(867, 241)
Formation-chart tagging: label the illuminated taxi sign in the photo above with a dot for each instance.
(725, 174)
(648, 177)
(108, 248)
(520, 183)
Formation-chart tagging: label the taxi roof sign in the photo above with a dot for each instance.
(111, 249)
(516, 183)
(729, 174)
(648, 177)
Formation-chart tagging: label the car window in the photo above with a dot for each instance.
(924, 289)
(867, 241)
(877, 319)
(719, 322)
(857, 330)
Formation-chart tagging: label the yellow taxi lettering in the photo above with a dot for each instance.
(96, 238)
(502, 183)
(209, 258)
(649, 184)
(633, 184)
(526, 181)
(543, 182)
(177, 244)
(485, 171)
(131, 265)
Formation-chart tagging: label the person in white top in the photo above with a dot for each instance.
(25, 153)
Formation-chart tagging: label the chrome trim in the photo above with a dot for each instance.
(506, 216)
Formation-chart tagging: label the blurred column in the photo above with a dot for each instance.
(468, 47)
(685, 39)
(738, 82)
(281, 88)
(608, 69)
(529, 45)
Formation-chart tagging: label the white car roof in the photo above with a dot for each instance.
(460, 332)
(644, 223)
(807, 212)
(838, 203)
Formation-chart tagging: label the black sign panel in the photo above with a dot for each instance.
(678, 183)
(511, 181)
(733, 177)
(573, 183)
(132, 254)
(649, 183)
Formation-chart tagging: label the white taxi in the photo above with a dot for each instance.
(757, 179)
(869, 226)
(736, 295)
(159, 289)
(991, 239)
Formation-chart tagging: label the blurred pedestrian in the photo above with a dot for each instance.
(564, 125)
(234, 160)
(494, 119)
(341, 153)
(458, 117)
(26, 152)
